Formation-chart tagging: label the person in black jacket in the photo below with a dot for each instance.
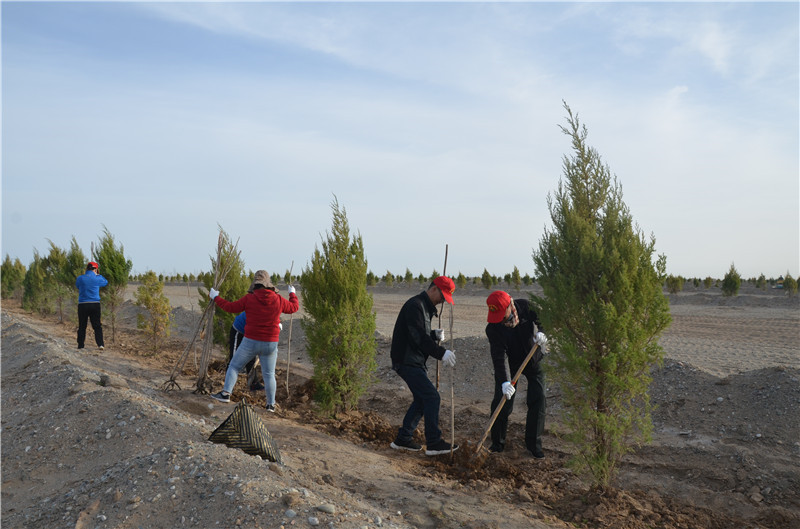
(413, 342)
(512, 330)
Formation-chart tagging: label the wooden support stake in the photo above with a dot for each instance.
(289, 347)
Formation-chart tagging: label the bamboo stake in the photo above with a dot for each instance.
(204, 322)
(452, 396)
(503, 400)
(439, 315)
(289, 346)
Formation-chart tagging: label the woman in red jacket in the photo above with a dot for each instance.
(263, 307)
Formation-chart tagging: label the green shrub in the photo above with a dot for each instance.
(674, 284)
(116, 268)
(340, 324)
(790, 285)
(516, 280)
(731, 282)
(12, 275)
(486, 279)
(34, 287)
(461, 280)
(156, 323)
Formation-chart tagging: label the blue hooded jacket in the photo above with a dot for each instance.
(239, 322)
(89, 287)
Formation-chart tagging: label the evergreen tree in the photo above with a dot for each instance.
(731, 282)
(603, 307)
(76, 262)
(156, 323)
(34, 287)
(674, 284)
(461, 280)
(790, 285)
(116, 269)
(340, 324)
(388, 278)
(516, 280)
(12, 275)
(59, 279)
(486, 279)
(409, 277)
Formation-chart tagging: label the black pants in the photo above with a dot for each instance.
(234, 339)
(90, 312)
(534, 422)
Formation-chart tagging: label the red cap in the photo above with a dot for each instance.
(94, 265)
(447, 287)
(498, 301)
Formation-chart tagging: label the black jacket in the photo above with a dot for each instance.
(412, 339)
(515, 343)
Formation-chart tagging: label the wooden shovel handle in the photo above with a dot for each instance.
(503, 400)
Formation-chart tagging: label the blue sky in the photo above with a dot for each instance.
(432, 124)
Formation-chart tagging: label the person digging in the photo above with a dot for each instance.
(512, 329)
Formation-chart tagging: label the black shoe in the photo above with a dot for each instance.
(409, 445)
(222, 396)
(496, 448)
(270, 408)
(537, 454)
(258, 386)
(439, 448)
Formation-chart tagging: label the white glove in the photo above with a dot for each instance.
(213, 293)
(541, 339)
(291, 289)
(280, 326)
(449, 358)
(439, 333)
(508, 390)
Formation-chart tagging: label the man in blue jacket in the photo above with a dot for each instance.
(89, 285)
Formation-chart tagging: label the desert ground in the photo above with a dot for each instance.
(92, 439)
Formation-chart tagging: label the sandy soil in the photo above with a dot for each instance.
(92, 440)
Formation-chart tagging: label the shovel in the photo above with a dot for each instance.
(503, 400)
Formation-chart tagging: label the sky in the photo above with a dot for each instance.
(433, 125)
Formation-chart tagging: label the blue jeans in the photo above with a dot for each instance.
(248, 350)
(425, 404)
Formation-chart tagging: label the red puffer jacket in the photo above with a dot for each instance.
(263, 309)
